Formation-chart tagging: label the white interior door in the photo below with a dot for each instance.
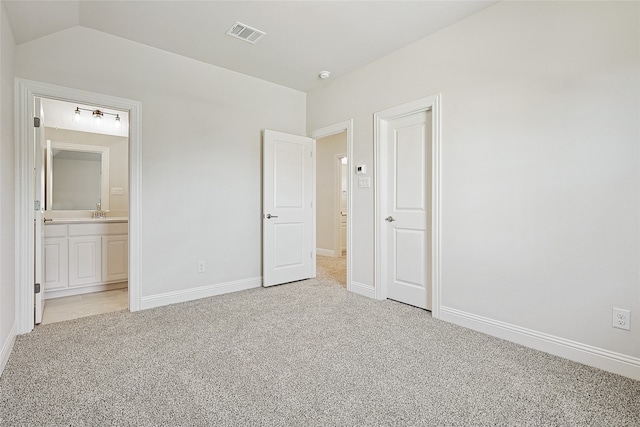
(406, 215)
(38, 219)
(288, 208)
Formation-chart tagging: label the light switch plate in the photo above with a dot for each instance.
(361, 169)
(364, 182)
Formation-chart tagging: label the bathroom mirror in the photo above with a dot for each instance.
(77, 176)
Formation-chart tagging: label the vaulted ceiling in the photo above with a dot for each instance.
(303, 37)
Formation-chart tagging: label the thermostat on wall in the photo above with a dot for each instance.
(361, 169)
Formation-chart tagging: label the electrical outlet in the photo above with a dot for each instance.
(202, 267)
(621, 318)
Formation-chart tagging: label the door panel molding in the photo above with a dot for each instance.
(431, 103)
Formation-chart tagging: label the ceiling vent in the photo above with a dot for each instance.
(245, 32)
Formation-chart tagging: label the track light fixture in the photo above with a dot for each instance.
(97, 114)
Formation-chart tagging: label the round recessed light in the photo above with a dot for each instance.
(324, 74)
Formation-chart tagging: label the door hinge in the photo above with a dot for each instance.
(36, 205)
(36, 122)
(36, 288)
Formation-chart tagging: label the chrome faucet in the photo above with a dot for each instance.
(99, 213)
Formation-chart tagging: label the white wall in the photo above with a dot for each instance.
(326, 209)
(7, 199)
(201, 151)
(118, 160)
(540, 163)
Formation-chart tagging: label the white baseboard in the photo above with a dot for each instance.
(7, 348)
(325, 252)
(582, 353)
(200, 292)
(362, 289)
(83, 290)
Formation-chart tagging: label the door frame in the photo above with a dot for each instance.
(337, 190)
(347, 126)
(25, 91)
(431, 103)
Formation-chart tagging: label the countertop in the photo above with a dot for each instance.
(84, 220)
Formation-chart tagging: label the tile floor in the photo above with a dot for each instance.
(74, 307)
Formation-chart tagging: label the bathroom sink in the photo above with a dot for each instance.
(111, 219)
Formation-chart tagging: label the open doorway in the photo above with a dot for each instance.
(30, 202)
(333, 183)
(84, 176)
(331, 208)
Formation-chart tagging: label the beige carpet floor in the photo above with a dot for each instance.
(307, 353)
(332, 269)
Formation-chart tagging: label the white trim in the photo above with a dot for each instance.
(332, 130)
(582, 353)
(25, 91)
(337, 193)
(432, 103)
(199, 292)
(347, 126)
(362, 289)
(60, 293)
(7, 348)
(314, 237)
(25, 300)
(325, 252)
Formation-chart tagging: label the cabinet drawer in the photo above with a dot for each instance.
(98, 229)
(57, 230)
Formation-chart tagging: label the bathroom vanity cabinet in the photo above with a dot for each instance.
(85, 256)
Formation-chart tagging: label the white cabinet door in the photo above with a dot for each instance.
(85, 259)
(56, 263)
(115, 258)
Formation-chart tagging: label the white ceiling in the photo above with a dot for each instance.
(303, 37)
